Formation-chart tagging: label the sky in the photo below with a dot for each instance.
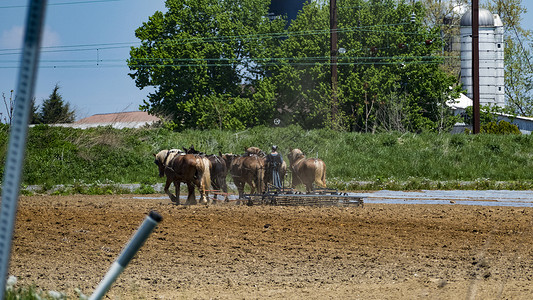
(85, 47)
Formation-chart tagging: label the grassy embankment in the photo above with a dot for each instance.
(84, 160)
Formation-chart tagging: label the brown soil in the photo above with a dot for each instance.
(241, 252)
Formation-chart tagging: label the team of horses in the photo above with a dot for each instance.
(197, 169)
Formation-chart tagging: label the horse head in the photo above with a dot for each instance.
(191, 150)
(160, 158)
(228, 158)
(294, 155)
(254, 151)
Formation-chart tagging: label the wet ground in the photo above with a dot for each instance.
(465, 197)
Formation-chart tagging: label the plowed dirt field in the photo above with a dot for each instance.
(225, 251)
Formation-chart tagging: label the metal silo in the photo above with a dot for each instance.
(491, 65)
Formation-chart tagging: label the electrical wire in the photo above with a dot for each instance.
(61, 3)
(222, 38)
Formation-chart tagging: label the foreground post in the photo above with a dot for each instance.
(127, 254)
(18, 133)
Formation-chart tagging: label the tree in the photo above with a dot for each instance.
(54, 110)
(34, 113)
(518, 66)
(390, 78)
(224, 64)
(9, 105)
(198, 57)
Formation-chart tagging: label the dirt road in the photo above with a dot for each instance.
(263, 252)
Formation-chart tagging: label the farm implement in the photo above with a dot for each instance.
(292, 197)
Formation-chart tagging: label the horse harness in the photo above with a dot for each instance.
(168, 154)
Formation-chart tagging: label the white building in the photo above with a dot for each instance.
(491, 64)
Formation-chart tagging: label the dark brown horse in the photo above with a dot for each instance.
(246, 170)
(219, 172)
(306, 170)
(189, 168)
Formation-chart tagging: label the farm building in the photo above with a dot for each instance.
(132, 119)
(525, 124)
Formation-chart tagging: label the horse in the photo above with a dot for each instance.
(189, 168)
(246, 170)
(218, 170)
(254, 151)
(306, 170)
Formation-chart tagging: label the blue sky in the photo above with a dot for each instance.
(86, 44)
(106, 25)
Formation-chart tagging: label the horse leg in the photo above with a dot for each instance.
(203, 194)
(215, 186)
(191, 200)
(225, 189)
(167, 191)
(240, 189)
(309, 187)
(177, 187)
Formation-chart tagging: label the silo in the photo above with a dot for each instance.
(491, 65)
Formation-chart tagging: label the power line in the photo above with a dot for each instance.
(222, 38)
(324, 61)
(62, 3)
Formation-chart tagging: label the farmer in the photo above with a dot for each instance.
(273, 164)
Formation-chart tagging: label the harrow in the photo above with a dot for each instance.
(291, 197)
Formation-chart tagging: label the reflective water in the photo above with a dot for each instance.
(455, 197)
(465, 197)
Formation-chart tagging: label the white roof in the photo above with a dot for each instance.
(462, 102)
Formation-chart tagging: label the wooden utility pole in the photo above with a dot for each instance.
(333, 57)
(475, 65)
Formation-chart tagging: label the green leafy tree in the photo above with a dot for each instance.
(517, 51)
(390, 77)
(224, 64)
(197, 56)
(54, 110)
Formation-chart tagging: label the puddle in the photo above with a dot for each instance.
(458, 197)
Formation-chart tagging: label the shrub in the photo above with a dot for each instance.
(501, 127)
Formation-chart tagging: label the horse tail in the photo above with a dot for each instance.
(320, 173)
(206, 179)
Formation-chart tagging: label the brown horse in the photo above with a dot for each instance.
(246, 170)
(218, 170)
(306, 170)
(189, 168)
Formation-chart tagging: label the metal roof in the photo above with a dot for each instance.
(486, 18)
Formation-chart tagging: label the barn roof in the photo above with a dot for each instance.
(132, 116)
(132, 119)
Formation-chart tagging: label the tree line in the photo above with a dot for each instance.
(225, 64)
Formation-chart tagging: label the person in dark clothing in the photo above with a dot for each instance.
(273, 167)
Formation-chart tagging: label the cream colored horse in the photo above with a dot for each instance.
(306, 171)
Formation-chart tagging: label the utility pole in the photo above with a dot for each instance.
(333, 57)
(475, 65)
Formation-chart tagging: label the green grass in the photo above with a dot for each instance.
(83, 160)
